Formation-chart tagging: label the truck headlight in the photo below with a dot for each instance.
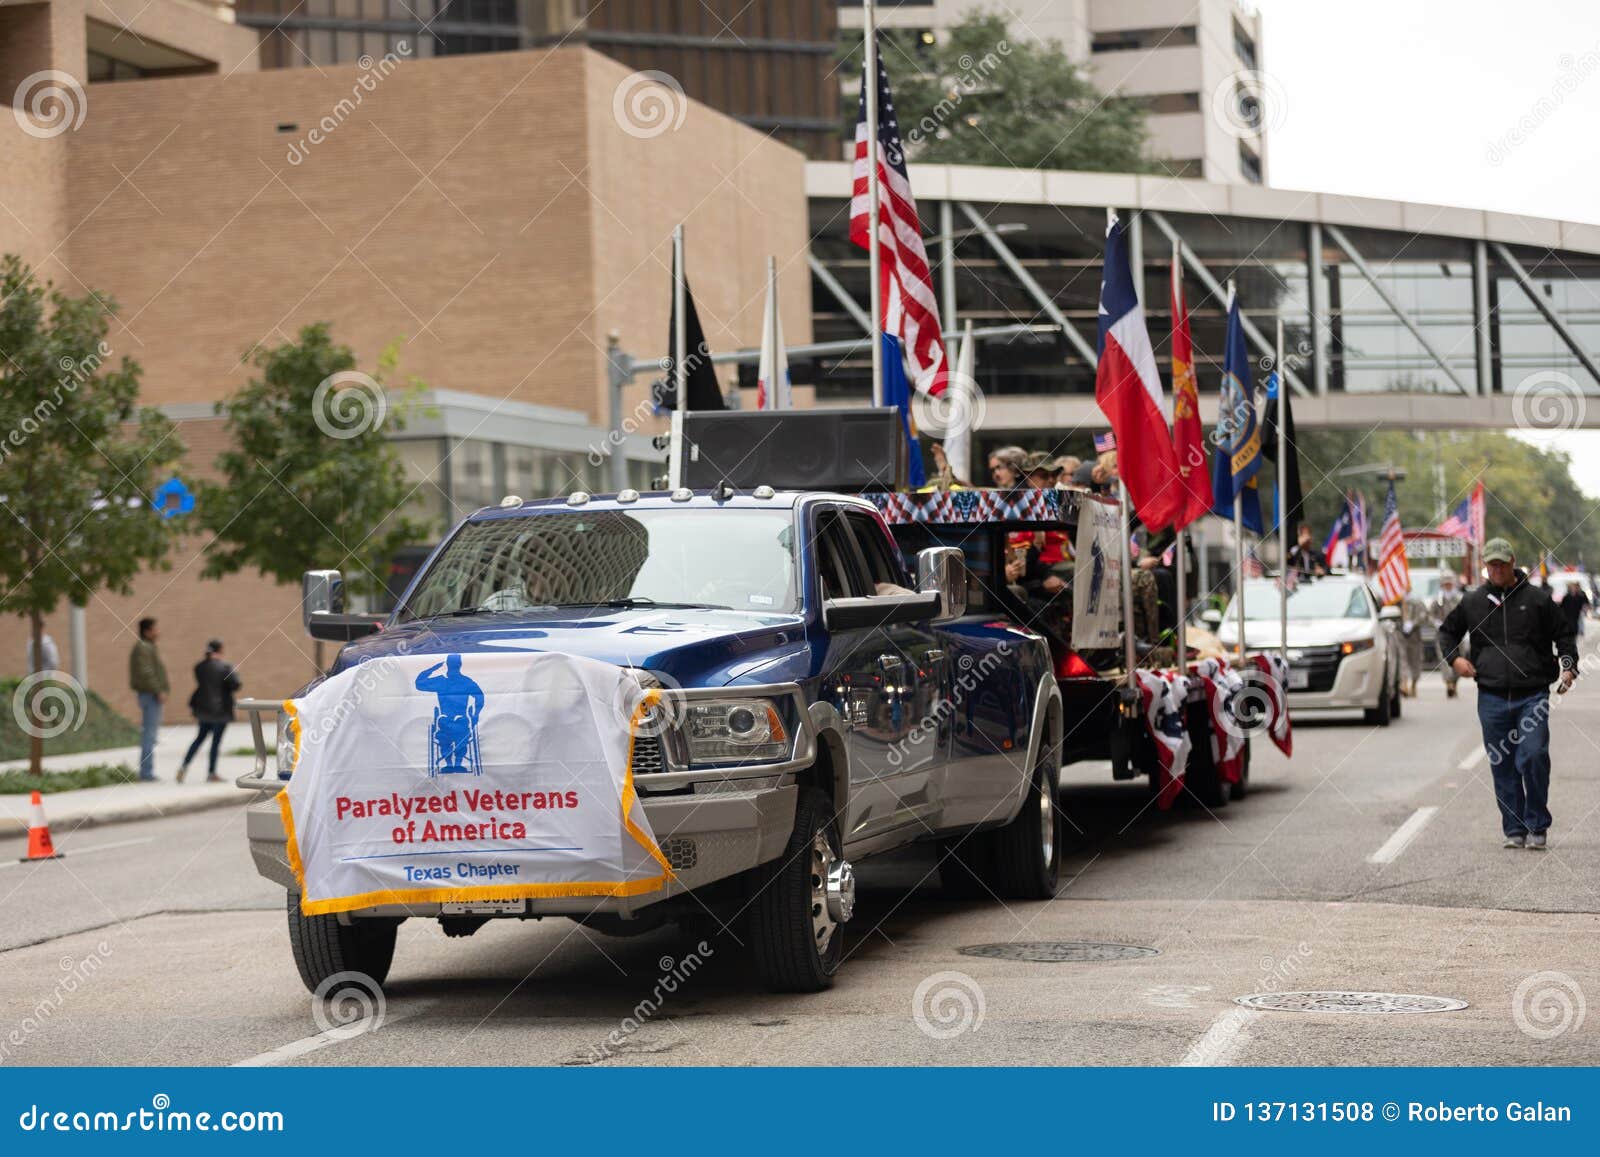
(284, 745)
(1352, 646)
(734, 731)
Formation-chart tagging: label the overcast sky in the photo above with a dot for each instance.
(1435, 101)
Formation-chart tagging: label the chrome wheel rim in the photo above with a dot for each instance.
(1047, 823)
(823, 925)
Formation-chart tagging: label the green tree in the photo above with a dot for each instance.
(78, 460)
(984, 97)
(311, 479)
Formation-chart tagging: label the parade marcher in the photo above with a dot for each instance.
(1520, 644)
(147, 676)
(216, 682)
(1443, 603)
(1412, 614)
(1305, 556)
(1573, 604)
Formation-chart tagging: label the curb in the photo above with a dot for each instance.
(125, 813)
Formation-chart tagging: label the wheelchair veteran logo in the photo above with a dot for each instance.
(453, 738)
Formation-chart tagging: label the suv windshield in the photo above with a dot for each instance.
(1315, 599)
(740, 559)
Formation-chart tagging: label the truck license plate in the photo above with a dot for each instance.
(484, 908)
(1299, 678)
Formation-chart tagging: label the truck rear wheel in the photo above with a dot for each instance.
(1202, 779)
(324, 948)
(801, 902)
(1027, 851)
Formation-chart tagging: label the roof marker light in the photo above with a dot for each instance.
(578, 498)
(762, 492)
(682, 494)
(511, 500)
(628, 495)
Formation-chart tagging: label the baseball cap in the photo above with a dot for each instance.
(1039, 460)
(1497, 550)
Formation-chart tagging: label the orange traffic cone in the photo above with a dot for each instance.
(39, 845)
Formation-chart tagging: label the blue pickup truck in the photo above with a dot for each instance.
(911, 719)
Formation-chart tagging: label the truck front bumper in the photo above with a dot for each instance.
(706, 838)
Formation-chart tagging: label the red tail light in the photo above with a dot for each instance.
(1072, 666)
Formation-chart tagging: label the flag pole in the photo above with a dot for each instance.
(1283, 505)
(869, 81)
(680, 377)
(770, 323)
(1181, 555)
(1129, 654)
(1238, 523)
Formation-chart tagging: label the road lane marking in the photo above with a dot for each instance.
(1223, 1041)
(1404, 834)
(1471, 759)
(76, 852)
(343, 1032)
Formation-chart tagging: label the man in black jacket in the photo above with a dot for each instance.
(1521, 643)
(212, 703)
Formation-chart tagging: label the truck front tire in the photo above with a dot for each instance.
(797, 942)
(324, 948)
(1027, 851)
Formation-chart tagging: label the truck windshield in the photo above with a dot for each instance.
(738, 559)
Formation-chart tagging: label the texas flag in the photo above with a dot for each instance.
(1128, 390)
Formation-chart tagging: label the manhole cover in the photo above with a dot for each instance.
(1361, 1002)
(1059, 951)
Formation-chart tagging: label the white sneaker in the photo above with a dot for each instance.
(1536, 841)
(1514, 842)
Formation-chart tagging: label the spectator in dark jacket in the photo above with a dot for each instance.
(1573, 604)
(1521, 643)
(212, 703)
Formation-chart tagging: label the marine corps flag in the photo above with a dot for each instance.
(1188, 438)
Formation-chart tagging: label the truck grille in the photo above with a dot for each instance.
(1322, 665)
(647, 758)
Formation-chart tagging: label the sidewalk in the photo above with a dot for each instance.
(69, 810)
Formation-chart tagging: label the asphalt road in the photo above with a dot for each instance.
(155, 943)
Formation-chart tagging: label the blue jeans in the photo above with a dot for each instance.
(1516, 733)
(214, 730)
(149, 731)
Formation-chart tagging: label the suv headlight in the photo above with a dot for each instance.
(734, 731)
(1351, 646)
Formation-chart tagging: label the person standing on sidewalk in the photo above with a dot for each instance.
(1521, 643)
(215, 683)
(147, 675)
(1443, 603)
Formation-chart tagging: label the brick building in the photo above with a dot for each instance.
(495, 217)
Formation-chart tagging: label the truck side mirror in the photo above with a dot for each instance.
(322, 609)
(321, 593)
(943, 570)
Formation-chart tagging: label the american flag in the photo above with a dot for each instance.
(910, 309)
(1394, 575)
(1360, 532)
(1466, 520)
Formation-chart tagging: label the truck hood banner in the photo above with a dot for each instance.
(1097, 580)
(463, 778)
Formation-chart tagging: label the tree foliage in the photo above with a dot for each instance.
(78, 460)
(311, 479)
(984, 97)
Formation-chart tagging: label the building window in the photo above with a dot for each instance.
(1244, 46)
(103, 68)
(1173, 102)
(1145, 39)
(1249, 164)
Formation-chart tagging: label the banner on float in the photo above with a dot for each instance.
(468, 778)
(1097, 579)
